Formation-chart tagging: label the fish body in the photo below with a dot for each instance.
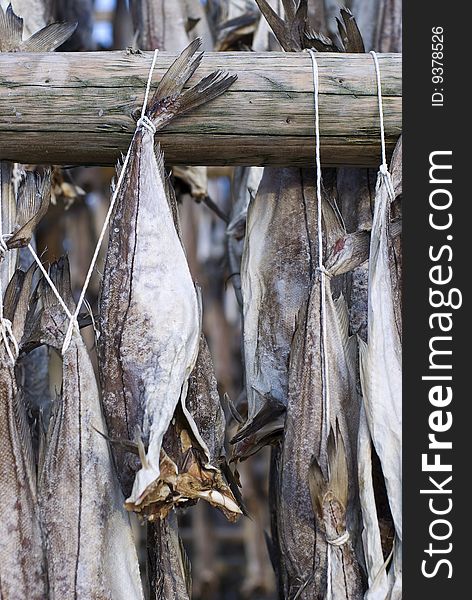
(381, 367)
(303, 547)
(88, 540)
(146, 361)
(276, 271)
(22, 561)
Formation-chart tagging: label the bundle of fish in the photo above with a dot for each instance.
(164, 421)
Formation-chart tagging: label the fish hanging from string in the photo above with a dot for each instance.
(146, 361)
(381, 373)
(89, 545)
(22, 558)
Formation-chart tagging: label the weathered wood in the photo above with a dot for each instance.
(76, 108)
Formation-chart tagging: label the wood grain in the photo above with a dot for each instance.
(76, 108)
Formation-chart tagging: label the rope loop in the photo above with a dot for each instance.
(146, 123)
(340, 540)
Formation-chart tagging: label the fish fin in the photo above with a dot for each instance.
(49, 38)
(185, 565)
(128, 445)
(395, 227)
(34, 195)
(269, 413)
(11, 29)
(177, 75)
(16, 300)
(349, 252)
(234, 485)
(319, 42)
(349, 32)
(342, 315)
(12, 293)
(138, 441)
(275, 23)
(318, 487)
(338, 472)
(363, 361)
(351, 351)
(207, 89)
(232, 409)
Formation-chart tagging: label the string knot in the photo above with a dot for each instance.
(324, 271)
(9, 339)
(146, 123)
(340, 540)
(383, 169)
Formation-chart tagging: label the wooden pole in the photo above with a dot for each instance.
(76, 108)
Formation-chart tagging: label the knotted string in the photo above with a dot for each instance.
(323, 274)
(383, 167)
(320, 267)
(143, 122)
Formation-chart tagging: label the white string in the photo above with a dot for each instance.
(149, 125)
(6, 330)
(321, 268)
(383, 167)
(340, 540)
(323, 274)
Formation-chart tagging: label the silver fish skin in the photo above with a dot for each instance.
(276, 272)
(146, 360)
(22, 561)
(88, 539)
(381, 369)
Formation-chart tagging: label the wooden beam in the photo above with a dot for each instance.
(75, 108)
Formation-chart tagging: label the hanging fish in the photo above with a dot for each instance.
(22, 560)
(146, 361)
(276, 272)
(381, 367)
(87, 534)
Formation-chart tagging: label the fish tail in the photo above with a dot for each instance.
(170, 101)
(34, 195)
(336, 484)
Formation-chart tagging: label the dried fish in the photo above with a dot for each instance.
(88, 539)
(381, 368)
(276, 273)
(303, 546)
(22, 561)
(146, 361)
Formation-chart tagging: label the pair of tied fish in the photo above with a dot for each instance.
(150, 340)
